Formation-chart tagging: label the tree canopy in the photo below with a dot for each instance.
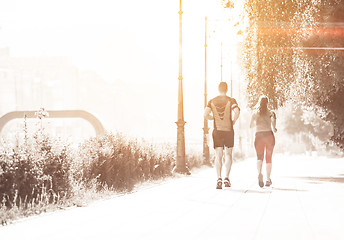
(292, 53)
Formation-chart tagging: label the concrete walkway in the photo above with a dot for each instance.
(306, 201)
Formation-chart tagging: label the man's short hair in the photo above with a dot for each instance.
(223, 87)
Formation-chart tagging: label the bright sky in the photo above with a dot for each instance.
(131, 41)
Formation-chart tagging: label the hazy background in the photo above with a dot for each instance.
(116, 59)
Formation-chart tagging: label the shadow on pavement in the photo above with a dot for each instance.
(289, 189)
(264, 190)
(316, 180)
(248, 190)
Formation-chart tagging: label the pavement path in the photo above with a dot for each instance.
(305, 202)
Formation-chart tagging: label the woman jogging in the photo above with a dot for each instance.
(265, 122)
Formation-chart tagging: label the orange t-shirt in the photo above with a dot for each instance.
(222, 107)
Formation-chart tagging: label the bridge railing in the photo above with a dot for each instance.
(93, 120)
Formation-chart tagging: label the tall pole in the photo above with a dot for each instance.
(221, 62)
(231, 79)
(16, 76)
(239, 98)
(206, 159)
(180, 164)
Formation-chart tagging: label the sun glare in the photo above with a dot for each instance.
(132, 45)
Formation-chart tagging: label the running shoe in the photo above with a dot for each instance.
(219, 183)
(227, 183)
(268, 183)
(260, 180)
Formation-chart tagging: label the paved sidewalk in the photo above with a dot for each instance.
(306, 201)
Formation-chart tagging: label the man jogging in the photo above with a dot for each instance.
(222, 108)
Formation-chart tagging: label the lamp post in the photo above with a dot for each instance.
(180, 164)
(206, 158)
(231, 79)
(221, 61)
(206, 154)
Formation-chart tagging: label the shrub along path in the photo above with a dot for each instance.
(305, 202)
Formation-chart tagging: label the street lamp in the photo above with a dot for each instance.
(180, 163)
(206, 157)
(231, 79)
(206, 154)
(221, 61)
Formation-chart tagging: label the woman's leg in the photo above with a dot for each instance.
(268, 171)
(260, 146)
(270, 144)
(259, 166)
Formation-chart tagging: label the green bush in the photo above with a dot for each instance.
(35, 169)
(38, 171)
(120, 163)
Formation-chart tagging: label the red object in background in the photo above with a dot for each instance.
(334, 30)
(322, 38)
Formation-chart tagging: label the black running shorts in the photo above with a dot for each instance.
(223, 138)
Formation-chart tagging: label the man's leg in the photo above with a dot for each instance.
(228, 160)
(218, 160)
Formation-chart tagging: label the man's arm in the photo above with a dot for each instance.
(236, 110)
(236, 114)
(207, 115)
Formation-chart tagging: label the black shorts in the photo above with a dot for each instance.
(223, 138)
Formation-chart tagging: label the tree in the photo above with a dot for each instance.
(269, 48)
(278, 65)
(320, 84)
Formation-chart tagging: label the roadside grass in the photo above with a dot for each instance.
(41, 174)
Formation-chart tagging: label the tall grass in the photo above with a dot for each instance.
(40, 173)
(120, 163)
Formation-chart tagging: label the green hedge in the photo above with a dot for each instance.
(39, 170)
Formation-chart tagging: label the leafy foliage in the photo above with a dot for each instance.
(29, 170)
(121, 163)
(40, 171)
(269, 47)
(279, 66)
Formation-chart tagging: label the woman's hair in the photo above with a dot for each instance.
(263, 105)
